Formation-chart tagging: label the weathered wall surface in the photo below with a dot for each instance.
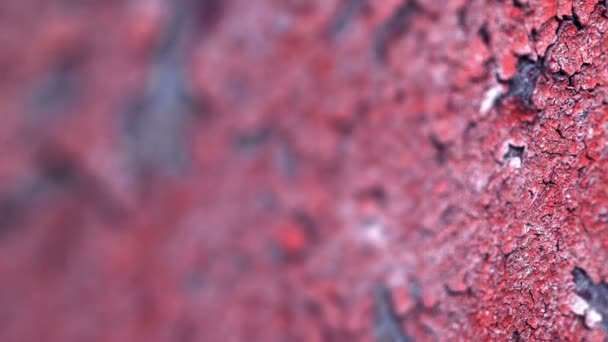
(303, 170)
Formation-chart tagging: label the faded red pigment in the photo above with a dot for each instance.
(315, 170)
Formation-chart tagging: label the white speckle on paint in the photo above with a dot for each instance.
(592, 318)
(489, 98)
(578, 305)
(515, 163)
(374, 233)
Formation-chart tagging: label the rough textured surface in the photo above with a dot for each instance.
(303, 170)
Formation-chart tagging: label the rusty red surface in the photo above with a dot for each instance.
(288, 170)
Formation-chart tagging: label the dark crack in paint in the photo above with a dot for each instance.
(387, 327)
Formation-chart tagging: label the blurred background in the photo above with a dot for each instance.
(166, 168)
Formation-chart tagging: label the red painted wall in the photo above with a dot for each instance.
(206, 170)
